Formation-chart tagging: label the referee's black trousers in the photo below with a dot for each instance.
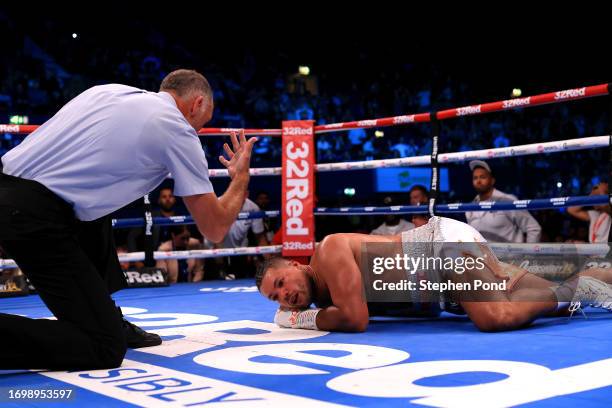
(74, 267)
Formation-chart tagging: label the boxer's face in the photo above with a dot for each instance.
(289, 285)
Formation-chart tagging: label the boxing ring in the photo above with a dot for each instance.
(222, 349)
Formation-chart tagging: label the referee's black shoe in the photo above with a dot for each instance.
(138, 338)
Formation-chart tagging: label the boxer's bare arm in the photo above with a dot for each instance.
(349, 311)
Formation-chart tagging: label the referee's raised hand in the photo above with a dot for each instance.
(239, 154)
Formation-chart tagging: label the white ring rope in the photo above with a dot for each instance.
(498, 248)
(457, 157)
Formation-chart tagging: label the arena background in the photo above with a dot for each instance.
(375, 64)
(376, 68)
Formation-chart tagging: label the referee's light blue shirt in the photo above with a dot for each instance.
(109, 146)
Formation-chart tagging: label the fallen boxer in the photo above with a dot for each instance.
(333, 282)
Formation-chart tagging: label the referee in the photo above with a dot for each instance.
(104, 149)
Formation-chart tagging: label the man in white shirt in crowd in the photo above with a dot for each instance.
(235, 267)
(499, 226)
(597, 216)
(394, 224)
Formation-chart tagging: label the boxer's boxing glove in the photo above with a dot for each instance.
(297, 319)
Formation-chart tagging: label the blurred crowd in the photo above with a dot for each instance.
(43, 70)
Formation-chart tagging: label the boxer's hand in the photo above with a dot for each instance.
(297, 319)
(285, 318)
(239, 155)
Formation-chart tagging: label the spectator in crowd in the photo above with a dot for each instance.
(597, 216)
(166, 202)
(394, 224)
(403, 148)
(181, 270)
(419, 196)
(239, 266)
(500, 139)
(499, 226)
(125, 266)
(357, 136)
(11, 279)
(262, 199)
(35, 84)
